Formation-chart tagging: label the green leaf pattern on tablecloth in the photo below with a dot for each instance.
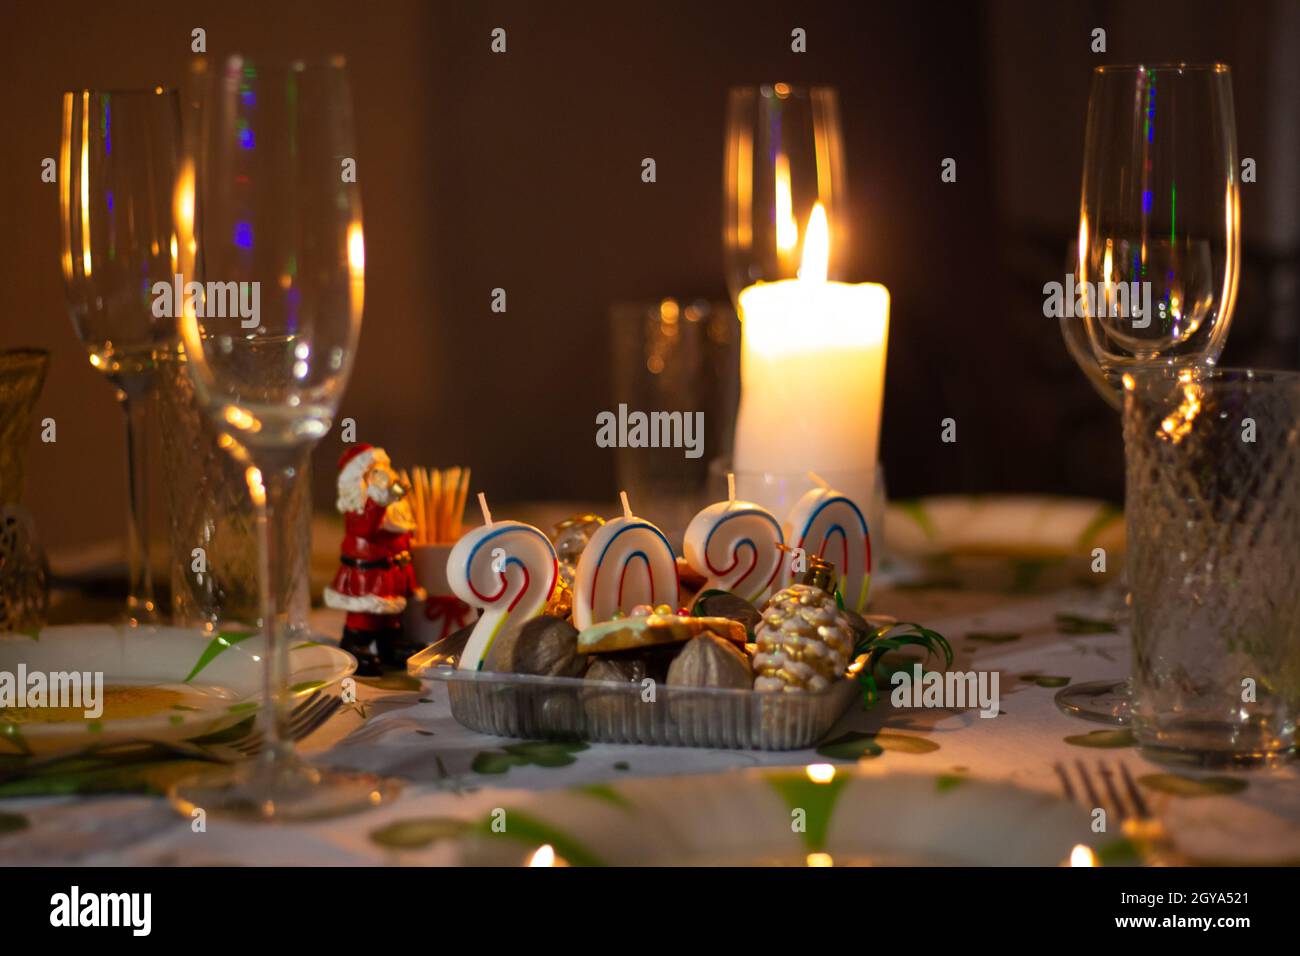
(993, 637)
(419, 832)
(540, 753)
(1178, 785)
(1079, 624)
(816, 800)
(1105, 739)
(855, 745)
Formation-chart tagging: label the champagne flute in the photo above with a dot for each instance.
(1159, 248)
(784, 154)
(117, 166)
(270, 222)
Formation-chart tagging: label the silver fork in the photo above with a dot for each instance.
(306, 718)
(1116, 793)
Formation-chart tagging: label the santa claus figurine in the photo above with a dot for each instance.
(375, 576)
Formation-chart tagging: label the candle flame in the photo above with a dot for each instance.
(544, 855)
(816, 246)
(1082, 856)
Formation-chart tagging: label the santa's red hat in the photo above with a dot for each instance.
(353, 465)
(352, 452)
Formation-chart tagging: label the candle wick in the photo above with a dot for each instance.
(731, 486)
(482, 503)
(818, 479)
(627, 508)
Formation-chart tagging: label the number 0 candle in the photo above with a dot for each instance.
(627, 562)
(508, 569)
(829, 525)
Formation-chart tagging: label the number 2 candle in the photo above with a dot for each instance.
(627, 562)
(736, 545)
(508, 569)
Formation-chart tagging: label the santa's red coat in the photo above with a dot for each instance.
(376, 575)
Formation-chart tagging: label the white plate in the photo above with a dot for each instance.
(214, 681)
(1016, 542)
(783, 817)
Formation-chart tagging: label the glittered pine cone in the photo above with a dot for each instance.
(804, 641)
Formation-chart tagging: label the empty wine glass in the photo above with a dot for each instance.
(784, 153)
(1159, 247)
(117, 166)
(270, 223)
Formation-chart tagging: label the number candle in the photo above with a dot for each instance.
(627, 562)
(508, 569)
(737, 546)
(829, 525)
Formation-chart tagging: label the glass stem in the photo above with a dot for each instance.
(276, 562)
(140, 606)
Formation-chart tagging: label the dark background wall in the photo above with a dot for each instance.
(522, 171)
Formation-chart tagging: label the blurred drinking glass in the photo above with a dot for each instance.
(270, 223)
(117, 166)
(784, 153)
(1159, 248)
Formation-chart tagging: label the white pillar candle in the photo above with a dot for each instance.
(812, 369)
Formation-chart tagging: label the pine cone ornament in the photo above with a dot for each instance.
(804, 641)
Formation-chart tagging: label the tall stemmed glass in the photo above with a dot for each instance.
(1159, 250)
(117, 165)
(784, 154)
(270, 220)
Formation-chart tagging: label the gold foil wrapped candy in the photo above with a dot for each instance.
(804, 641)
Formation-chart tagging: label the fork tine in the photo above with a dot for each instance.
(1064, 777)
(1088, 787)
(1139, 804)
(252, 743)
(1108, 778)
(321, 716)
